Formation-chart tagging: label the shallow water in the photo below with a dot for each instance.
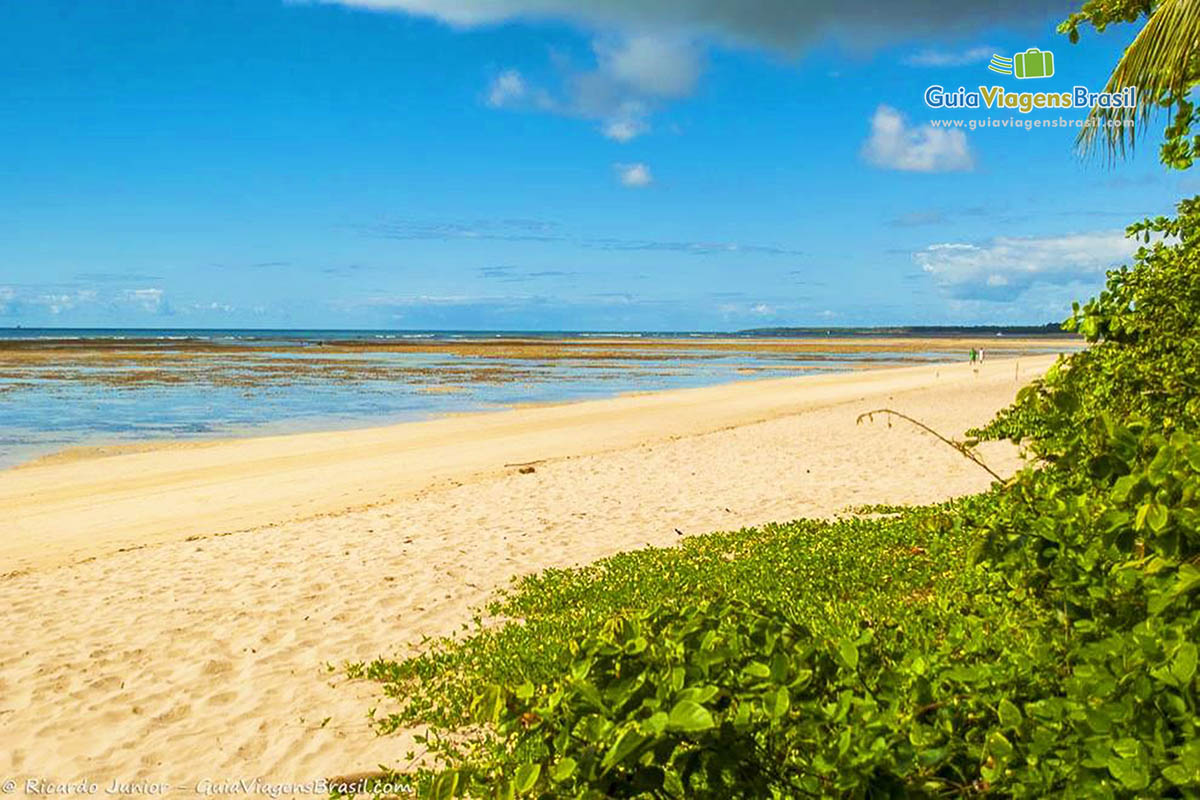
(59, 389)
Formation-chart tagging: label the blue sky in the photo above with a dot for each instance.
(543, 164)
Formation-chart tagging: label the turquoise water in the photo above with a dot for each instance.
(46, 408)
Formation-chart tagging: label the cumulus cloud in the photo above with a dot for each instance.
(785, 25)
(647, 52)
(1006, 267)
(631, 76)
(654, 65)
(950, 58)
(152, 301)
(894, 144)
(59, 300)
(508, 87)
(623, 130)
(634, 176)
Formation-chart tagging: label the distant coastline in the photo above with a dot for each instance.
(1052, 329)
(320, 335)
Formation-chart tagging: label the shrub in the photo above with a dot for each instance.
(1037, 639)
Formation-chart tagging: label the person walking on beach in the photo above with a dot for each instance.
(972, 355)
(981, 355)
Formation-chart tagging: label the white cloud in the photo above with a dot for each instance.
(647, 52)
(59, 302)
(894, 144)
(1006, 267)
(214, 306)
(653, 65)
(777, 24)
(623, 130)
(634, 175)
(950, 58)
(508, 87)
(631, 76)
(390, 300)
(149, 300)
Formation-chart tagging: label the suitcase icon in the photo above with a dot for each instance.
(1033, 63)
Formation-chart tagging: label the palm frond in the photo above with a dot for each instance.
(1158, 61)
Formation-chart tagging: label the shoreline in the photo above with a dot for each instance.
(138, 651)
(115, 396)
(224, 485)
(101, 447)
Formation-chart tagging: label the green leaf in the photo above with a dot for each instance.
(445, 786)
(1139, 521)
(505, 791)
(779, 667)
(1187, 580)
(1157, 517)
(489, 704)
(849, 653)
(563, 770)
(1133, 773)
(1160, 467)
(757, 669)
(1123, 486)
(1010, 715)
(778, 702)
(656, 723)
(741, 719)
(699, 694)
(628, 742)
(1179, 775)
(527, 775)
(999, 745)
(690, 717)
(1183, 666)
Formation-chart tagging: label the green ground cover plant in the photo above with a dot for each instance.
(1037, 640)
(795, 606)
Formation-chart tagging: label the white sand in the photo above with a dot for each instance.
(182, 660)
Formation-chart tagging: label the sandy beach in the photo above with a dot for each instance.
(172, 610)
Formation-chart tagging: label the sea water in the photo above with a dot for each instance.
(50, 407)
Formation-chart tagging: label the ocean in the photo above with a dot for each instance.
(67, 387)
